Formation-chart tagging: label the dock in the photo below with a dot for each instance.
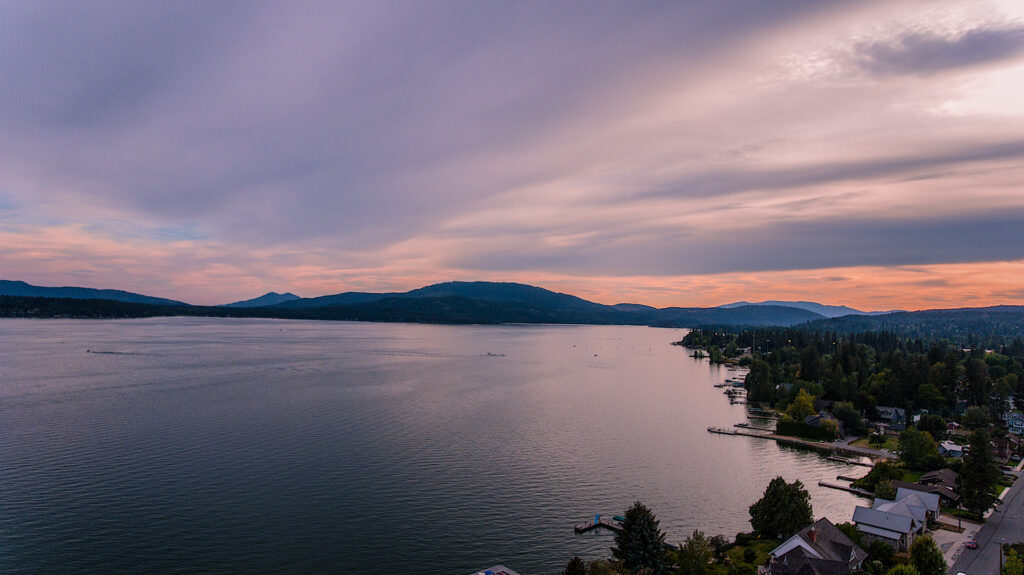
(847, 488)
(598, 524)
(827, 448)
(850, 461)
(614, 525)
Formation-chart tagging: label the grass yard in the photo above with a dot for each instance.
(761, 547)
(891, 443)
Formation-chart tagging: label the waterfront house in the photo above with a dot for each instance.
(818, 549)
(947, 495)
(929, 502)
(944, 477)
(895, 529)
(949, 449)
(1014, 422)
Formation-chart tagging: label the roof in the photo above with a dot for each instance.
(918, 513)
(879, 532)
(946, 477)
(890, 412)
(940, 490)
(929, 501)
(829, 543)
(950, 446)
(883, 520)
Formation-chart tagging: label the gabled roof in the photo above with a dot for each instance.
(917, 513)
(890, 412)
(929, 501)
(946, 477)
(881, 519)
(828, 543)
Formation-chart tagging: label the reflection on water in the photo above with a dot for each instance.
(262, 446)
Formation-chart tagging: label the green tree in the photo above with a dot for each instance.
(602, 567)
(883, 470)
(802, 406)
(926, 557)
(975, 417)
(933, 424)
(1012, 564)
(978, 473)
(877, 439)
(641, 544)
(902, 570)
(845, 412)
(918, 449)
(695, 554)
(784, 509)
(576, 566)
(885, 490)
(810, 364)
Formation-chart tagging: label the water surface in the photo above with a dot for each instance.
(192, 445)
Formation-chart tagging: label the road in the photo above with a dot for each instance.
(1004, 526)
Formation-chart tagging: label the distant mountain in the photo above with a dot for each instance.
(747, 315)
(818, 308)
(19, 288)
(269, 298)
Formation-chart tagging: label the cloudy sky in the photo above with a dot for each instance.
(669, 153)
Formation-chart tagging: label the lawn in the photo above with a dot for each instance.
(761, 547)
(891, 443)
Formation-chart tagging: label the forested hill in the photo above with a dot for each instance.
(954, 324)
(19, 288)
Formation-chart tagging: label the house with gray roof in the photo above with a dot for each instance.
(929, 502)
(895, 529)
(818, 549)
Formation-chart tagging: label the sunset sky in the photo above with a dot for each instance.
(668, 153)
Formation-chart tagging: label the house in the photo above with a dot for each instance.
(818, 549)
(891, 415)
(946, 495)
(1014, 422)
(952, 426)
(895, 529)
(929, 502)
(949, 449)
(944, 477)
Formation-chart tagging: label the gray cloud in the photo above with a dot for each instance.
(785, 245)
(925, 52)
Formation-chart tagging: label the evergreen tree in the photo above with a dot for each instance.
(784, 509)
(641, 544)
(576, 566)
(979, 473)
(926, 557)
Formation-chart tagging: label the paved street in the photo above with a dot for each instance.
(1004, 526)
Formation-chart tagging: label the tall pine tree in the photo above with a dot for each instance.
(640, 546)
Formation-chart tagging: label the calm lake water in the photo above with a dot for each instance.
(184, 445)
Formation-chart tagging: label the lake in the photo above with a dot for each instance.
(192, 445)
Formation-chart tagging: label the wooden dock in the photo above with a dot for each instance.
(847, 488)
(598, 524)
(828, 448)
(611, 525)
(850, 461)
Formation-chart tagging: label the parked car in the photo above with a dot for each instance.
(971, 544)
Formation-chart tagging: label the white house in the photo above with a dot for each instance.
(949, 449)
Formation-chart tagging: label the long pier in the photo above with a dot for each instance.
(830, 448)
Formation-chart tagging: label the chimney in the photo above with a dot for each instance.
(812, 535)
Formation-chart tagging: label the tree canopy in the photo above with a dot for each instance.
(926, 557)
(784, 509)
(641, 544)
